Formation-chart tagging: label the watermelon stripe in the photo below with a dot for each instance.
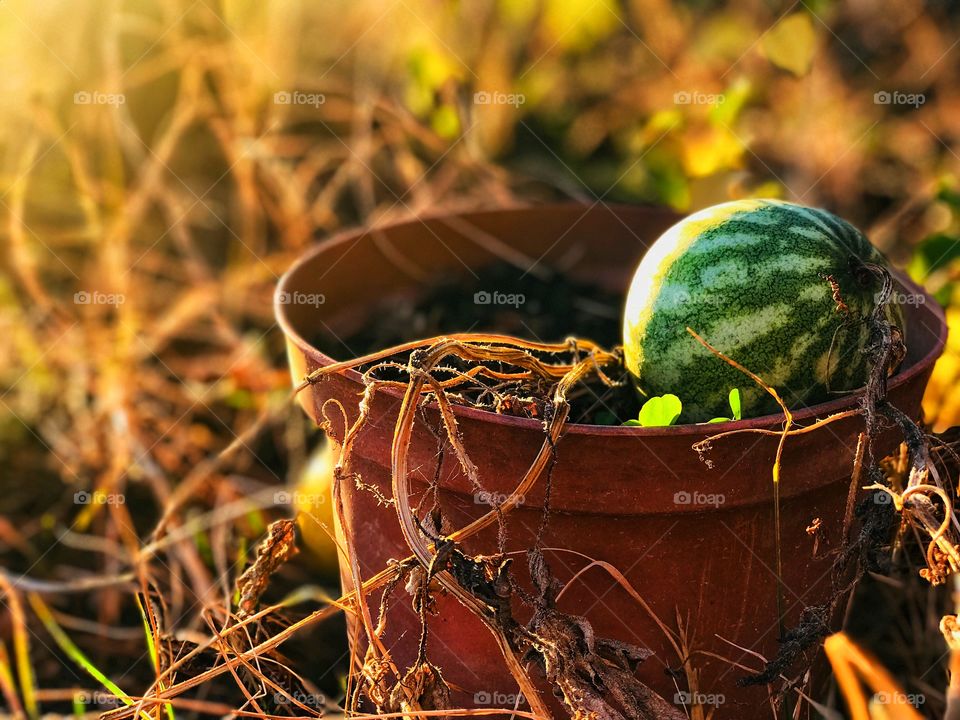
(749, 277)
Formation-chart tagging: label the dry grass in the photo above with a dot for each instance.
(145, 221)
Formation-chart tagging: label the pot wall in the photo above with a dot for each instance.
(696, 541)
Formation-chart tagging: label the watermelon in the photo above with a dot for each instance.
(753, 278)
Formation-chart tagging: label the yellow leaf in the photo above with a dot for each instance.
(707, 150)
(791, 43)
(445, 122)
(579, 24)
(518, 13)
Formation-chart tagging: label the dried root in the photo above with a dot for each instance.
(594, 676)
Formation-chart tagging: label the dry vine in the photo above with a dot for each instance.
(593, 676)
(868, 550)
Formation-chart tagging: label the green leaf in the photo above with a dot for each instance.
(660, 411)
(71, 650)
(633, 423)
(734, 400)
(734, 98)
(933, 255)
(950, 196)
(935, 252)
(152, 647)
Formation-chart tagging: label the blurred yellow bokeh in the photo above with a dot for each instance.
(313, 503)
(941, 404)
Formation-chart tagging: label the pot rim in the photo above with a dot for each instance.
(763, 422)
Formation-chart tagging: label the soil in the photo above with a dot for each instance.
(530, 308)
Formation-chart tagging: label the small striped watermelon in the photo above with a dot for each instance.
(752, 277)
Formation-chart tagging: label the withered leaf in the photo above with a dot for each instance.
(279, 546)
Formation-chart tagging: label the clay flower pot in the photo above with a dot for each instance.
(696, 542)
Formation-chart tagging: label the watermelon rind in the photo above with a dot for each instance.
(753, 278)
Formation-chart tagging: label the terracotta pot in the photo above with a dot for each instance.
(637, 498)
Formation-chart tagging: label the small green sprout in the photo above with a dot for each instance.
(664, 410)
(735, 409)
(658, 411)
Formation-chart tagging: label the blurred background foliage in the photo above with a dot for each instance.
(179, 154)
